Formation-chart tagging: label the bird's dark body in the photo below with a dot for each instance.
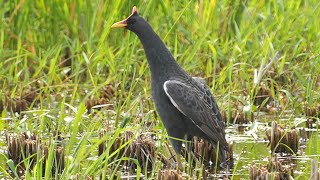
(184, 104)
(177, 124)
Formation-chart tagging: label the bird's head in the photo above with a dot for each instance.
(133, 22)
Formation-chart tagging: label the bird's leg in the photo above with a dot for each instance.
(179, 167)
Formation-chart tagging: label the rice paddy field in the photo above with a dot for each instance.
(75, 96)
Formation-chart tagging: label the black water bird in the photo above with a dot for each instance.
(185, 104)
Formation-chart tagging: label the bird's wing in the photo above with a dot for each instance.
(208, 97)
(192, 102)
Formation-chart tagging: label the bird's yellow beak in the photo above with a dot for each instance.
(119, 24)
(123, 23)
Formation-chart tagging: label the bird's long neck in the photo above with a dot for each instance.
(159, 58)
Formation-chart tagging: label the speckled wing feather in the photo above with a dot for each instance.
(193, 101)
(204, 89)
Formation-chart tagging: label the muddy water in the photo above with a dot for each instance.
(251, 147)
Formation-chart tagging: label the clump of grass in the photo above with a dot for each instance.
(274, 170)
(282, 141)
(26, 155)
